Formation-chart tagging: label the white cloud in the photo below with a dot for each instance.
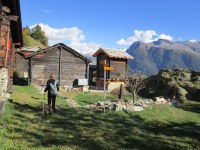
(146, 36)
(73, 37)
(85, 47)
(166, 37)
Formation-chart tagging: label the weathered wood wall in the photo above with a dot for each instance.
(64, 64)
(42, 65)
(118, 65)
(21, 65)
(72, 68)
(119, 68)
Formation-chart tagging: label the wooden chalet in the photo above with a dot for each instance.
(70, 67)
(21, 64)
(117, 59)
(10, 35)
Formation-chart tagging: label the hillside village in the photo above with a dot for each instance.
(124, 81)
(72, 69)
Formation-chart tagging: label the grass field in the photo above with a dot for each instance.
(31, 42)
(24, 125)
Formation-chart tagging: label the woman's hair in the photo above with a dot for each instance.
(52, 76)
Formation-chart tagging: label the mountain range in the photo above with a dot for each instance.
(149, 58)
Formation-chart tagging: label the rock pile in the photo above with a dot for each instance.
(124, 105)
(71, 89)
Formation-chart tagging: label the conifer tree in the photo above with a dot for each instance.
(39, 35)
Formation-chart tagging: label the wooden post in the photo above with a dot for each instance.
(88, 67)
(30, 71)
(7, 48)
(104, 86)
(60, 58)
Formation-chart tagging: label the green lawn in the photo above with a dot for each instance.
(88, 98)
(31, 42)
(24, 126)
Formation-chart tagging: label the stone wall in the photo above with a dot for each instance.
(3, 83)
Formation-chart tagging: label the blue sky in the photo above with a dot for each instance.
(88, 24)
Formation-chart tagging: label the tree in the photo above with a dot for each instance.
(26, 30)
(39, 35)
(136, 82)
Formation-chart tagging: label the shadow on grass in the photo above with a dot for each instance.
(192, 108)
(87, 129)
(36, 97)
(86, 102)
(24, 107)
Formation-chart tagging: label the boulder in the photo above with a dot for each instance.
(181, 83)
(85, 88)
(135, 108)
(119, 107)
(160, 100)
(6, 95)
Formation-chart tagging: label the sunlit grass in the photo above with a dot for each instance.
(25, 126)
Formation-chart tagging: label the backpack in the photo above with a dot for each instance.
(53, 89)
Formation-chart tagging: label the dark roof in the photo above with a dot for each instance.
(77, 54)
(16, 26)
(113, 53)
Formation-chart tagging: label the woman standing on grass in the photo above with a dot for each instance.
(52, 87)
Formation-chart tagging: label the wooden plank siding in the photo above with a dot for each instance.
(118, 65)
(42, 65)
(21, 65)
(119, 68)
(72, 68)
(67, 65)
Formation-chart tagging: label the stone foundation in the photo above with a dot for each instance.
(3, 88)
(4, 83)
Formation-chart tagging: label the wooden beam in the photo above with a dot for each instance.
(12, 18)
(17, 45)
(5, 22)
(7, 50)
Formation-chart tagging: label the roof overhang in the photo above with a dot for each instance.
(65, 47)
(101, 50)
(98, 52)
